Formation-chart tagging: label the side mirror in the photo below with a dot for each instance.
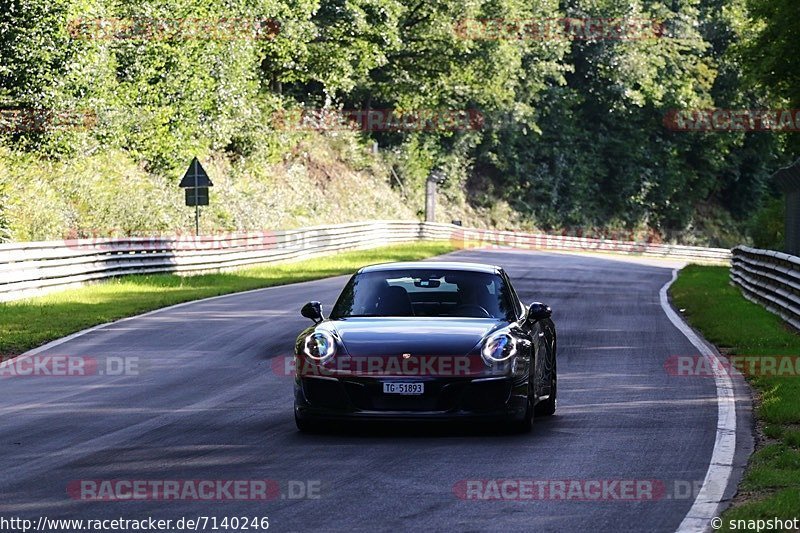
(538, 311)
(312, 310)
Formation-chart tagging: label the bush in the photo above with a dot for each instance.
(768, 224)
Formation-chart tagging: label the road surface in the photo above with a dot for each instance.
(204, 398)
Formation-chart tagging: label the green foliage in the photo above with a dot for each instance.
(768, 51)
(768, 224)
(772, 48)
(109, 193)
(574, 131)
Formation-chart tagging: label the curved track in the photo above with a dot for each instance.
(208, 402)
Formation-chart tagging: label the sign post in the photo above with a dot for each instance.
(196, 183)
(436, 177)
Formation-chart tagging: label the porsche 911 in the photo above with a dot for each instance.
(426, 341)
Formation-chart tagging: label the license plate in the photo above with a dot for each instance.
(403, 388)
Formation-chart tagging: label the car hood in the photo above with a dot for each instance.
(393, 336)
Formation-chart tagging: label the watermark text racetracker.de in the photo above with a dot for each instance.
(733, 120)
(559, 29)
(185, 28)
(577, 490)
(747, 365)
(377, 120)
(36, 120)
(56, 365)
(381, 365)
(117, 240)
(209, 490)
(588, 239)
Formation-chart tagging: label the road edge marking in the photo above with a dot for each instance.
(709, 499)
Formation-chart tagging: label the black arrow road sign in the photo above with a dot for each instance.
(196, 176)
(196, 182)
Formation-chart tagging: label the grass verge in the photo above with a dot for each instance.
(32, 322)
(771, 485)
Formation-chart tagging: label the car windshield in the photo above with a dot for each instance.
(416, 292)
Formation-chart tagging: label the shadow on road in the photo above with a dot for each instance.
(405, 429)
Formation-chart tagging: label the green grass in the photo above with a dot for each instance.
(32, 322)
(771, 486)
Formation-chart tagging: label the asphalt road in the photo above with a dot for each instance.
(206, 401)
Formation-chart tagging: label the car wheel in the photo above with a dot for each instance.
(306, 426)
(548, 407)
(526, 424)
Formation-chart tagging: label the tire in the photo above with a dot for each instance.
(305, 425)
(526, 424)
(548, 407)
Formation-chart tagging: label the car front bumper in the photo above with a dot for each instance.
(362, 398)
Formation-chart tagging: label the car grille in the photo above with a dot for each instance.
(367, 395)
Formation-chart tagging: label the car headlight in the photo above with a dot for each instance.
(498, 348)
(320, 346)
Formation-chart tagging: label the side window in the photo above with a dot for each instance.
(518, 307)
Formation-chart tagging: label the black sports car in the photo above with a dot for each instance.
(426, 341)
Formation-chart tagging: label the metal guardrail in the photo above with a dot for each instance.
(33, 268)
(769, 278)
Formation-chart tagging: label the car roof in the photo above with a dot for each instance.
(433, 265)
